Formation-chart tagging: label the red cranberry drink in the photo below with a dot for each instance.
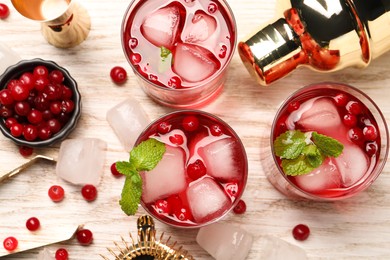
(202, 174)
(179, 49)
(329, 141)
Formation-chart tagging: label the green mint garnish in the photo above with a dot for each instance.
(301, 154)
(164, 53)
(143, 157)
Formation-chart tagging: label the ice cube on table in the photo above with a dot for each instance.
(45, 254)
(220, 161)
(7, 57)
(194, 63)
(225, 241)
(128, 119)
(326, 176)
(321, 115)
(352, 163)
(202, 26)
(167, 178)
(81, 161)
(160, 28)
(207, 199)
(270, 247)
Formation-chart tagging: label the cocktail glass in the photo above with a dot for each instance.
(179, 50)
(64, 23)
(341, 112)
(203, 172)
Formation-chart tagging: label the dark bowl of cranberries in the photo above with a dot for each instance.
(39, 103)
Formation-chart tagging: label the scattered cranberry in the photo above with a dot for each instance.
(163, 128)
(118, 75)
(56, 193)
(176, 139)
(162, 207)
(293, 106)
(341, 99)
(25, 151)
(89, 192)
(4, 11)
(190, 123)
(61, 254)
(10, 243)
(301, 232)
(114, 170)
(370, 133)
(196, 169)
(240, 208)
(33, 224)
(84, 236)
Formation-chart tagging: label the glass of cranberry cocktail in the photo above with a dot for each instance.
(202, 174)
(329, 142)
(179, 49)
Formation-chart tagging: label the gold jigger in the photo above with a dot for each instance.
(64, 23)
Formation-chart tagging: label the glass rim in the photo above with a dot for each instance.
(245, 166)
(203, 82)
(384, 137)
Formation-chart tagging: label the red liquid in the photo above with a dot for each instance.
(197, 54)
(347, 120)
(195, 144)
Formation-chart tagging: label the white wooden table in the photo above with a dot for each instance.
(351, 229)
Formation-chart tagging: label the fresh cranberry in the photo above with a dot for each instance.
(67, 106)
(28, 80)
(196, 169)
(190, 123)
(301, 232)
(35, 117)
(10, 243)
(40, 71)
(26, 150)
(47, 114)
(44, 132)
(41, 102)
(6, 112)
(293, 106)
(355, 134)
(33, 224)
(89, 192)
(56, 193)
(22, 108)
(6, 97)
(4, 11)
(114, 170)
(53, 92)
(55, 107)
(84, 236)
(20, 92)
(10, 121)
(63, 118)
(41, 83)
(162, 207)
(67, 93)
(216, 130)
(231, 189)
(341, 99)
(118, 75)
(370, 133)
(30, 132)
(54, 125)
(16, 129)
(56, 76)
(176, 139)
(349, 120)
(163, 128)
(354, 108)
(61, 254)
(135, 58)
(240, 208)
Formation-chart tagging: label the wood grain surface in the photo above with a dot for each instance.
(357, 228)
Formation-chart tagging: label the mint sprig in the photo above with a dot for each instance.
(301, 153)
(164, 53)
(143, 157)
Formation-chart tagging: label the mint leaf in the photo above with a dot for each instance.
(297, 166)
(125, 168)
(313, 155)
(290, 144)
(147, 155)
(164, 53)
(131, 195)
(328, 146)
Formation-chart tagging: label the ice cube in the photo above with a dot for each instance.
(225, 241)
(320, 115)
(160, 28)
(207, 199)
(45, 254)
(270, 247)
(81, 161)
(202, 26)
(324, 177)
(194, 63)
(353, 163)
(220, 161)
(128, 120)
(167, 178)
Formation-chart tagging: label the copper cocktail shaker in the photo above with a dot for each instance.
(324, 35)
